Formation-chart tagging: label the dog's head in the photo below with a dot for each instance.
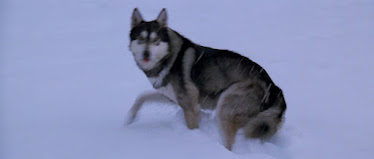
(149, 40)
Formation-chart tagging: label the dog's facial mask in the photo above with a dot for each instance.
(149, 40)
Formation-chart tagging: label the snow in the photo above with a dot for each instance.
(67, 78)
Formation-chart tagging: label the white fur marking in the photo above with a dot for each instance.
(137, 49)
(144, 34)
(159, 51)
(152, 36)
(168, 91)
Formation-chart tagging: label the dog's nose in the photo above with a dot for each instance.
(146, 56)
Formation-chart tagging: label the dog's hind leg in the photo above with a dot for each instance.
(142, 98)
(236, 106)
(229, 130)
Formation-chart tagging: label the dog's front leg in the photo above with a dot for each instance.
(192, 116)
(142, 98)
(188, 100)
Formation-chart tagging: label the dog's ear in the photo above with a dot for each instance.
(162, 18)
(136, 18)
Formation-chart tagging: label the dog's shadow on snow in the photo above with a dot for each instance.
(172, 119)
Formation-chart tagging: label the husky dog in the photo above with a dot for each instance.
(195, 77)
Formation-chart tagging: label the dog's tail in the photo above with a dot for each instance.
(267, 122)
(139, 102)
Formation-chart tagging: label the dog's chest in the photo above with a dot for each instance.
(168, 91)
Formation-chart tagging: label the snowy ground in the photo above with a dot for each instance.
(67, 78)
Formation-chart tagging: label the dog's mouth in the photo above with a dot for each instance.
(146, 60)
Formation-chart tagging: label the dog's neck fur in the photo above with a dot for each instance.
(158, 74)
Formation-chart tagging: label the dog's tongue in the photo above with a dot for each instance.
(146, 60)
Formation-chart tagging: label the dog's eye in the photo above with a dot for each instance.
(156, 41)
(141, 40)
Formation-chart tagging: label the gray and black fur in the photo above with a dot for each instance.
(196, 77)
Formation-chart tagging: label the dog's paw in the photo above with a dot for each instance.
(129, 119)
